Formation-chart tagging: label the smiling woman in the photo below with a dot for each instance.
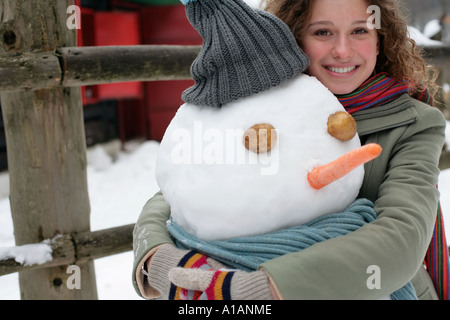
(396, 54)
(342, 48)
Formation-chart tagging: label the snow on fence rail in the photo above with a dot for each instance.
(68, 249)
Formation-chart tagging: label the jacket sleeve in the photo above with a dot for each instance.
(149, 232)
(396, 242)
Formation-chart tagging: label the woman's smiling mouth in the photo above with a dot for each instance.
(341, 70)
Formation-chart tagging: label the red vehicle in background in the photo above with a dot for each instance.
(133, 109)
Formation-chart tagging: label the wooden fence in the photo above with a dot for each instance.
(40, 74)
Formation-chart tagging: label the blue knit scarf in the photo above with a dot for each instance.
(247, 253)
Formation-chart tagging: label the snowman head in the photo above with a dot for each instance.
(250, 150)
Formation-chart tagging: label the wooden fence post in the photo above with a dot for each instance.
(46, 149)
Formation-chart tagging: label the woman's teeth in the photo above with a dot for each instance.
(341, 70)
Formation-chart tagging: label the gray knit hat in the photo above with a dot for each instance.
(244, 51)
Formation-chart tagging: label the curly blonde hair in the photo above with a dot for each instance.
(399, 55)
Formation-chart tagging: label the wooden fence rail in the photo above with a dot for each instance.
(77, 248)
(82, 66)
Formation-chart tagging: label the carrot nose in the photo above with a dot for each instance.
(322, 176)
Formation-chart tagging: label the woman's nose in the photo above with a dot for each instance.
(342, 48)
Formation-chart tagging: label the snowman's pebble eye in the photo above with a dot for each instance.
(260, 137)
(342, 126)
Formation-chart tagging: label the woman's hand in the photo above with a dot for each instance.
(224, 284)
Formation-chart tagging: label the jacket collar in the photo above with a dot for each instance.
(391, 115)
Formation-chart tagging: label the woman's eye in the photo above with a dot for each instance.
(322, 33)
(360, 31)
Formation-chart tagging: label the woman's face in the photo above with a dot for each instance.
(340, 45)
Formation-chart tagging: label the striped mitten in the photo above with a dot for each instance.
(223, 284)
(168, 257)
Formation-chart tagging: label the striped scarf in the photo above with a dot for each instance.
(437, 260)
(379, 90)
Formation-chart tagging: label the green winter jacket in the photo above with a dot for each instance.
(390, 251)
